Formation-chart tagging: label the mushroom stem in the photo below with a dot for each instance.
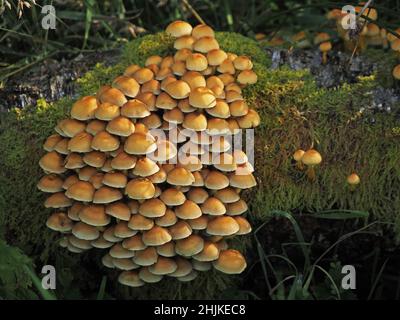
(324, 57)
(311, 173)
(352, 187)
(299, 165)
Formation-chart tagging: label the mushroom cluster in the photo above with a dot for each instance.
(146, 168)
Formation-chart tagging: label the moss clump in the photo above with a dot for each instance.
(295, 114)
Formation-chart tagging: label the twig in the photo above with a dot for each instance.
(193, 11)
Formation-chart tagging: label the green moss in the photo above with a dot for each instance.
(295, 114)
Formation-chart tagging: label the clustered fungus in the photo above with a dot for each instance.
(146, 168)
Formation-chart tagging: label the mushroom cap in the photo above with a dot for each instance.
(149, 277)
(94, 215)
(213, 206)
(395, 44)
(131, 69)
(180, 230)
(134, 243)
(197, 195)
(194, 79)
(122, 230)
(84, 108)
(143, 75)
(167, 220)
(119, 252)
(71, 127)
(74, 161)
(166, 150)
(353, 179)
(86, 173)
(196, 62)
(50, 183)
(51, 141)
(311, 157)
(69, 181)
(153, 60)
(118, 210)
(247, 77)
(145, 167)
(121, 126)
(190, 277)
(174, 116)
(184, 42)
(216, 56)
(52, 162)
(298, 154)
(152, 208)
(140, 143)
(141, 188)
(227, 195)
(167, 249)
(202, 98)
(199, 223)
(172, 197)
(152, 121)
(178, 89)
(182, 54)
(179, 68)
(106, 195)
(124, 264)
(79, 243)
(84, 231)
(236, 208)
(94, 158)
(222, 226)
(146, 257)
(115, 179)
(189, 246)
(127, 85)
(226, 67)
(103, 141)
(109, 236)
(139, 222)
(244, 225)
(59, 221)
(180, 177)
(205, 44)
(148, 98)
(123, 161)
(95, 126)
(97, 180)
(325, 46)
(216, 180)
(210, 252)
(101, 243)
(130, 278)
(396, 72)
(201, 265)
(165, 101)
(195, 121)
(82, 142)
(163, 266)
(81, 191)
(190, 162)
(156, 236)
(179, 28)
(135, 109)
(113, 96)
(184, 268)
(188, 210)
(230, 261)
(159, 177)
(243, 181)
(242, 63)
(202, 30)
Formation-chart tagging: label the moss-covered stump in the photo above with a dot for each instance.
(295, 114)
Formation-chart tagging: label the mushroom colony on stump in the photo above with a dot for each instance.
(158, 205)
